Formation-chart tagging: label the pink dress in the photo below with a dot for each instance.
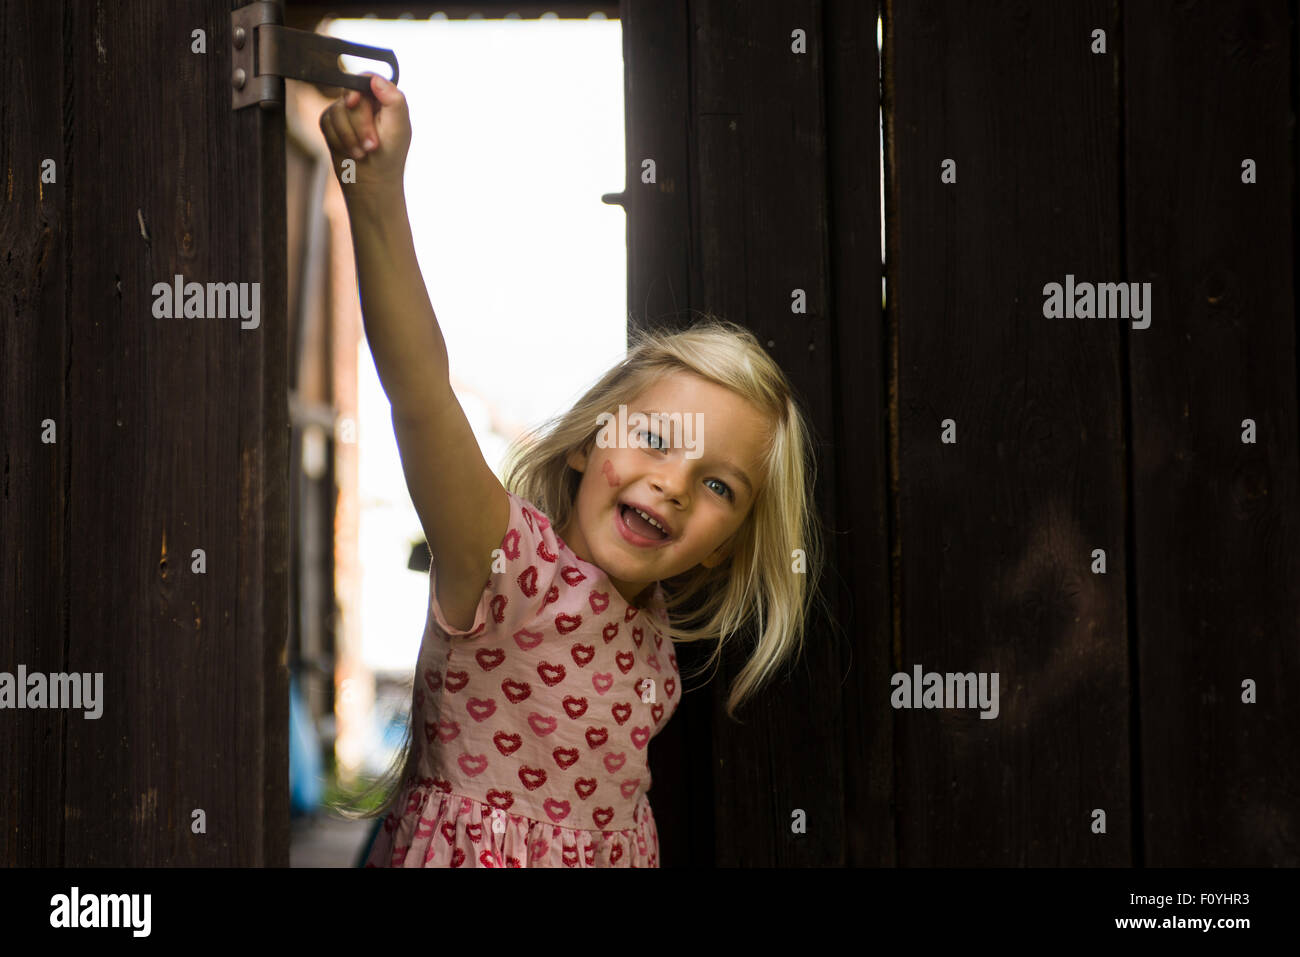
(536, 721)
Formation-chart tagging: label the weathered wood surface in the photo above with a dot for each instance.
(172, 436)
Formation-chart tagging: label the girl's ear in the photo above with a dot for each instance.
(577, 458)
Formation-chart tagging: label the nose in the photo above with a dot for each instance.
(670, 480)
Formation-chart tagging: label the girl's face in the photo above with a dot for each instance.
(696, 470)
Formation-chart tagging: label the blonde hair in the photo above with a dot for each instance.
(757, 582)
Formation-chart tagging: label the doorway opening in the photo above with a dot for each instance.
(517, 132)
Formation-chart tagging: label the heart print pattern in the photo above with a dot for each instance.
(537, 719)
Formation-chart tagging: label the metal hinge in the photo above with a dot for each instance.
(264, 53)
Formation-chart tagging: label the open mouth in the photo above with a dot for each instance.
(634, 521)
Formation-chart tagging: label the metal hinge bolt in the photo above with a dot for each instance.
(284, 53)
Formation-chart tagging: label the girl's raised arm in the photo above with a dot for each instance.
(463, 508)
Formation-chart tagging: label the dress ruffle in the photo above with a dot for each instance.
(444, 829)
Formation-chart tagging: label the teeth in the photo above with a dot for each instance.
(650, 520)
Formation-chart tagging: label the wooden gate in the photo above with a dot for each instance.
(143, 524)
(1077, 504)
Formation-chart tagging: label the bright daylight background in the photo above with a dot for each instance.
(517, 130)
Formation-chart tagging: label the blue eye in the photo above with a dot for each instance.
(654, 436)
(727, 492)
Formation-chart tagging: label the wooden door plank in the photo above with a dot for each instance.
(34, 353)
(172, 439)
(657, 102)
(997, 530)
(760, 214)
(859, 561)
(1218, 520)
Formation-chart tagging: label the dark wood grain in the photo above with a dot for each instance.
(859, 364)
(657, 97)
(760, 211)
(995, 532)
(172, 437)
(35, 586)
(1218, 521)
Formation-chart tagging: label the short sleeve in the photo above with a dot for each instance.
(514, 595)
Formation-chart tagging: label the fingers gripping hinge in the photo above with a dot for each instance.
(264, 53)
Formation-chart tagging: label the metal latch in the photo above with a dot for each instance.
(264, 53)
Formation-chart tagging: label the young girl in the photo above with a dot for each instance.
(548, 660)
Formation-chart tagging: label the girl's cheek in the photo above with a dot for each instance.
(611, 476)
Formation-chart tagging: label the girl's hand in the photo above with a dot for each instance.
(372, 129)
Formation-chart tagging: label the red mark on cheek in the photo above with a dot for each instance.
(610, 475)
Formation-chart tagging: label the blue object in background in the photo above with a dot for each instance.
(305, 788)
